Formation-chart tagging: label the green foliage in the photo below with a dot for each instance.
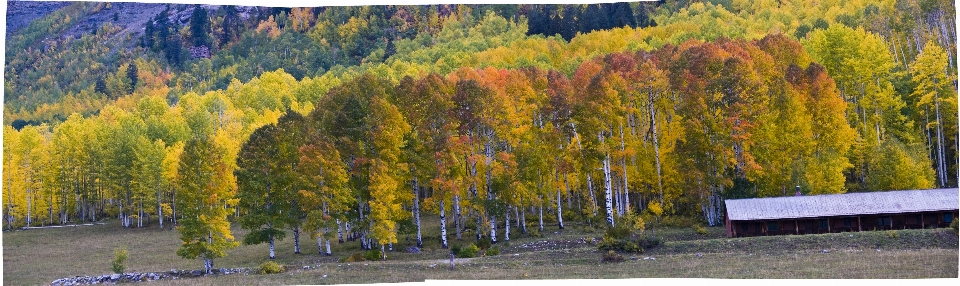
(468, 252)
(373, 255)
(892, 234)
(270, 267)
(493, 251)
(954, 226)
(533, 231)
(119, 256)
(700, 229)
(484, 243)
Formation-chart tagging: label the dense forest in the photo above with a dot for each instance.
(342, 121)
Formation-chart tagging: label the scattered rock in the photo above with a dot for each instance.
(825, 251)
(699, 255)
(413, 249)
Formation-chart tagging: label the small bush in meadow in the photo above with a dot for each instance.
(700, 229)
(493, 251)
(892, 234)
(534, 232)
(373, 255)
(612, 256)
(469, 251)
(119, 256)
(484, 243)
(270, 267)
(954, 226)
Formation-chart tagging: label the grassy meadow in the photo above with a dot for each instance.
(39, 256)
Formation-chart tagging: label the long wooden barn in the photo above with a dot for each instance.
(842, 212)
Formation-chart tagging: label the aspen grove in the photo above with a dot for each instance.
(494, 133)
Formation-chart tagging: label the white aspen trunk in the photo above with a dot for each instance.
(623, 163)
(390, 246)
(493, 228)
(942, 165)
(329, 253)
(339, 231)
(208, 261)
(383, 253)
(272, 253)
(617, 204)
(457, 217)
(296, 239)
(416, 211)
(607, 189)
(488, 152)
(29, 207)
(207, 265)
(506, 227)
(159, 208)
(523, 221)
(656, 146)
(443, 227)
(593, 199)
(559, 211)
(541, 215)
(320, 244)
(516, 214)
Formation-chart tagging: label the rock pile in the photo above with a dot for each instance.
(143, 277)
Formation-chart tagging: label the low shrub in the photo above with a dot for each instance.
(647, 242)
(611, 256)
(373, 255)
(625, 245)
(587, 229)
(469, 251)
(493, 251)
(534, 232)
(119, 256)
(270, 267)
(954, 226)
(455, 249)
(700, 229)
(892, 234)
(484, 243)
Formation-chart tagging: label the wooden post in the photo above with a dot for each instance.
(451, 260)
(859, 224)
(829, 226)
(921, 221)
(796, 227)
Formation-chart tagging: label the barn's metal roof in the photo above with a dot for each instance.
(843, 204)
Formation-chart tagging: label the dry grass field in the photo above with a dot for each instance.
(39, 256)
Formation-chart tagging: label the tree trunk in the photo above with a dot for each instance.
(506, 224)
(523, 221)
(319, 244)
(559, 211)
(443, 227)
(607, 189)
(272, 253)
(296, 239)
(339, 231)
(329, 253)
(457, 217)
(593, 199)
(416, 210)
(541, 215)
(941, 164)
